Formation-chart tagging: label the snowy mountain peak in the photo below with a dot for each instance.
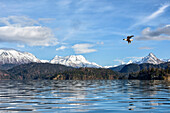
(11, 56)
(151, 55)
(74, 61)
(151, 58)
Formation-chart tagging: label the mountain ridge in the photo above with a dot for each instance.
(12, 56)
(150, 58)
(41, 71)
(17, 57)
(74, 61)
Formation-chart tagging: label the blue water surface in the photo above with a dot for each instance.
(93, 96)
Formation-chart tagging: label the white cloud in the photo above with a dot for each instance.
(24, 30)
(145, 48)
(32, 35)
(151, 16)
(83, 48)
(18, 21)
(21, 46)
(46, 20)
(162, 33)
(100, 43)
(120, 61)
(134, 58)
(157, 13)
(61, 48)
(88, 6)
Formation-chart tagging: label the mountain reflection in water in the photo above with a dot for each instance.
(84, 96)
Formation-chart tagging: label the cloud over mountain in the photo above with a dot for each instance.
(83, 48)
(61, 48)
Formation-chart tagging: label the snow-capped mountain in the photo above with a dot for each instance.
(166, 60)
(74, 61)
(11, 56)
(151, 58)
(44, 61)
(109, 67)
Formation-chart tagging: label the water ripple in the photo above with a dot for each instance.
(84, 96)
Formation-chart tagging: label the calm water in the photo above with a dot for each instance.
(84, 96)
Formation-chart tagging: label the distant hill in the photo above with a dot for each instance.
(117, 68)
(39, 71)
(138, 67)
(151, 74)
(130, 68)
(7, 66)
(36, 71)
(87, 74)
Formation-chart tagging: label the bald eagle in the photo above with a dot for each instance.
(129, 39)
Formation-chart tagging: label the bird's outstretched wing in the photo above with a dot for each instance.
(128, 37)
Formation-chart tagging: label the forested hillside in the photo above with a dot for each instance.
(87, 74)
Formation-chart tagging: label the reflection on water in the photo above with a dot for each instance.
(84, 96)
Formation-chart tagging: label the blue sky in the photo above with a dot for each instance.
(92, 28)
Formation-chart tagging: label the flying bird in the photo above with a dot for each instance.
(129, 39)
